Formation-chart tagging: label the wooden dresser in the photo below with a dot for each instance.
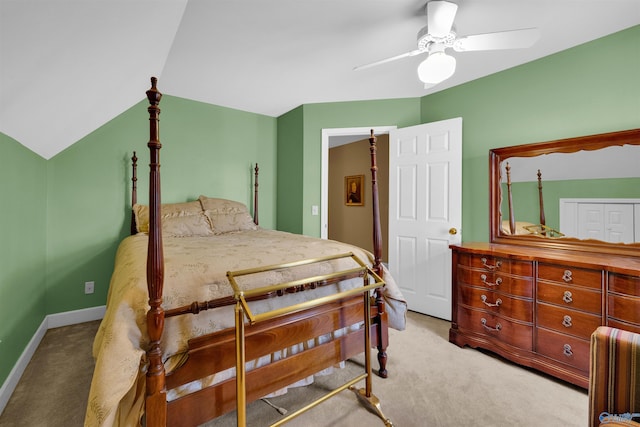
(538, 307)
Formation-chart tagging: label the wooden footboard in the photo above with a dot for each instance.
(216, 352)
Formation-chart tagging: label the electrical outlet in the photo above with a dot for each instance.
(89, 287)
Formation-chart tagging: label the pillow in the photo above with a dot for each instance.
(178, 219)
(226, 215)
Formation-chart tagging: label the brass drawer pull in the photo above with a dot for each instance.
(483, 277)
(567, 350)
(567, 276)
(566, 321)
(489, 328)
(490, 267)
(489, 304)
(567, 297)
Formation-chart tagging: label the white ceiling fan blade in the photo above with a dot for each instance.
(440, 16)
(393, 58)
(514, 39)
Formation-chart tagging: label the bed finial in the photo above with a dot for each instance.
(153, 95)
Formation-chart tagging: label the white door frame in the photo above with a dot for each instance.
(365, 132)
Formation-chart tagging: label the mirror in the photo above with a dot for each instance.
(577, 193)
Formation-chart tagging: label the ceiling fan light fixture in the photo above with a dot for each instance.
(436, 68)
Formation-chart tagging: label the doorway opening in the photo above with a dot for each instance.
(332, 187)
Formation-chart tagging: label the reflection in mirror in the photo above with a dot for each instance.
(586, 195)
(581, 192)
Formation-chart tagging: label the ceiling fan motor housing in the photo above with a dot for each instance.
(425, 40)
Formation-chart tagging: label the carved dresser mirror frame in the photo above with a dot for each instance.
(569, 145)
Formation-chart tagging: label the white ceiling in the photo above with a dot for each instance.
(69, 66)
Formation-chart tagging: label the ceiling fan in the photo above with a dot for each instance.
(439, 35)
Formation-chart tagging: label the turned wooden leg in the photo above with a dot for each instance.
(382, 361)
(383, 335)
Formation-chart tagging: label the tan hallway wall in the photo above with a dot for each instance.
(354, 224)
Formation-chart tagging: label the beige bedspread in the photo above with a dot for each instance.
(195, 270)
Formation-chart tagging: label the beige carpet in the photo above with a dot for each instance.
(431, 383)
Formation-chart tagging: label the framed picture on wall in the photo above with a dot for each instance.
(354, 190)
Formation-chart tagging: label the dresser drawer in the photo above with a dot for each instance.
(497, 264)
(624, 308)
(563, 348)
(614, 323)
(567, 321)
(497, 302)
(507, 284)
(584, 299)
(570, 275)
(512, 333)
(624, 284)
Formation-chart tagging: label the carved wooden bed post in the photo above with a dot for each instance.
(377, 254)
(134, 191)
(543, 221)
(255, 195)
(512, 216)
(156, 402)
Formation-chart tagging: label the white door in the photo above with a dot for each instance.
(591, 221)
(425, 207)
(610, 222)
(618, 220)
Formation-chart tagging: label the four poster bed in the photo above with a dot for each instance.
(207, 311)
(513, 227)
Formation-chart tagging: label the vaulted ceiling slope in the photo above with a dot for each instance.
(69, 66)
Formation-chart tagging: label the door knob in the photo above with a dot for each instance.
(453, 231)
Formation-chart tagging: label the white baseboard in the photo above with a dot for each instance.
(50, 321)
(74, 317)
(18, 369)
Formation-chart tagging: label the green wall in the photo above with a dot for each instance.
(304, 167)
(592, 88)
(290, 185)
(22, 249)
